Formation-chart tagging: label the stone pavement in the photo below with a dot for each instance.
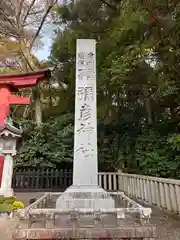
(168, 225)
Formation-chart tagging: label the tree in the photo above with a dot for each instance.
(138, 89)
(48, 145)
(21, 24)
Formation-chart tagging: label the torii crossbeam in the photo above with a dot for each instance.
(11, 82)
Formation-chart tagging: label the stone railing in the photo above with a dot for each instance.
(109, 180)
(128, 220)
(162, 192)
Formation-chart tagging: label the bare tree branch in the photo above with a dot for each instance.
(28, 11)
(35, 13)
(42, 22)
(109, 5)
(6, 17)
(19, 12)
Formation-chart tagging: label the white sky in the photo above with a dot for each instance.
(44, 52)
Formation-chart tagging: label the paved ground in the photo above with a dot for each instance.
(168, 225)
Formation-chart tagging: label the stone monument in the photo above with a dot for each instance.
(85, 192)
(10, 132)
(84, 210)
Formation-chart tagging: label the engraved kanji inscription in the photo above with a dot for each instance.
(87, 129)
(81, 55)
(85, 151)
(88, 93)
(80, 76)
(85, 112)
(80, 93)
(81, 62)
(90, 65)
(90, 54)
(85, 93)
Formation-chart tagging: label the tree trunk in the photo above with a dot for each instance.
(37, 105)
(36, 95)
(148, 106)
(149, 111)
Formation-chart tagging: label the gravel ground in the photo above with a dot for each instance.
(168, 225)
(7, 227)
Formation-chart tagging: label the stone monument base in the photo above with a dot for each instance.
(6, 192)
(82, 196)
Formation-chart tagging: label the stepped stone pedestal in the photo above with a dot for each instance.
(85, 197)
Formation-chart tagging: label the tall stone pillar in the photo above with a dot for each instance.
(85, 169)
(85, 192)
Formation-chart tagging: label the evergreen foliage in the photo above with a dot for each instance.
(137, 87)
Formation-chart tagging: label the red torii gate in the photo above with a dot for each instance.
(10, 83)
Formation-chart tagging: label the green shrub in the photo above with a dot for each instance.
(6, 204)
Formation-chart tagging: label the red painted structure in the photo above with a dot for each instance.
(6, 100)
(10, 83)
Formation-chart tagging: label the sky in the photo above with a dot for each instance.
(44, 52)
